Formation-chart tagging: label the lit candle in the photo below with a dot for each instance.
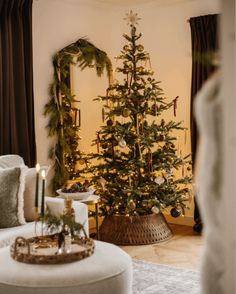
(36, 200)
(43, 174)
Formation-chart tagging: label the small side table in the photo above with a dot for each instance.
(93, 200)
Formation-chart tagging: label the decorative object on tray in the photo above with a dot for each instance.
(76, 191)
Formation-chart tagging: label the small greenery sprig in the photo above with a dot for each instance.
(56, 223)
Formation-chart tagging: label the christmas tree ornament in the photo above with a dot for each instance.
(175, 212)
(140, 150)
(104, 145)
(102, 182)
(154, 108)
(110, 122)
(161, 137)
(79, 116)
(155, 210)
(140, 48)
(98, 141)
(149, 160)
(140, 69)
(159, 180)
(132, 18)
(126, 48)
(103, 114)
(81, 161)
(126, 112)
(122, 143)
(131, 205)
(175, 104)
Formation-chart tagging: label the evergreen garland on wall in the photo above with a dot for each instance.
(63, 124)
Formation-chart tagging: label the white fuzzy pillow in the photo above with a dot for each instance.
(12, 181)
(29, 193)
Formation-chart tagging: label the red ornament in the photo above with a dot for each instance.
(110, 122)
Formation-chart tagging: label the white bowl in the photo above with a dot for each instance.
(76, 195)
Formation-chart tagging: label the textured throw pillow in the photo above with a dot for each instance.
(11, 160)
(29, 193)
(11, 197)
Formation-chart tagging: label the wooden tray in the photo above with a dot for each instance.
(44, 250)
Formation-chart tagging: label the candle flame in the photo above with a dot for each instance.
(43, 174)
(37, 167)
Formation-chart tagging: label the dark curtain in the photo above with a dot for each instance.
(17, 129)
(204, 35)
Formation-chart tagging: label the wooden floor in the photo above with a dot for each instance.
(184, 249)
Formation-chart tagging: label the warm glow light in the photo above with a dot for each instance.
(37, 167)
(43, 174)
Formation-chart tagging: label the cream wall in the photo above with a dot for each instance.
(166, 36)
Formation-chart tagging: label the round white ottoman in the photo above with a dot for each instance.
(108, 270)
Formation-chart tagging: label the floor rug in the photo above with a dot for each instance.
(151, 278)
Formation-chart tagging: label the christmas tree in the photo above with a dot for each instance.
(136, 160)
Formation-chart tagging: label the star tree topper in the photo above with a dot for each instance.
(132, 18)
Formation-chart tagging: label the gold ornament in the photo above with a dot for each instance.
(126, 48)
(126, 112)
(81, 161)
(140, 69)
(140, 48)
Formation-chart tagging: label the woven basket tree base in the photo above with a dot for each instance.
(135, 230)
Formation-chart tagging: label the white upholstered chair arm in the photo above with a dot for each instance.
(56, 206)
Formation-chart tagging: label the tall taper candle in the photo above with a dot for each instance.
(43, 174)
(36, 200)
